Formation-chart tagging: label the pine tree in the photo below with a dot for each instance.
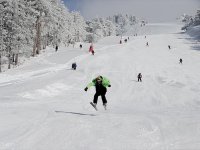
(27, 26)
(197, 18)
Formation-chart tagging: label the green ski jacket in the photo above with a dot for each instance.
(105, 82)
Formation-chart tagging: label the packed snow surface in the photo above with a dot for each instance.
(43, 105)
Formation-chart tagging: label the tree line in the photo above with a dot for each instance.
(28, 26)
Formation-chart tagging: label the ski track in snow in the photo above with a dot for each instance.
(43, 104)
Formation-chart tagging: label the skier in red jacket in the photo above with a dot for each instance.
(91, 49)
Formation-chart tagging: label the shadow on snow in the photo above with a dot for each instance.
(75, 113)
(195, 41)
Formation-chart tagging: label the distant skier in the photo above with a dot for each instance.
(100, 84)
(120, 42)
(180, 61)
(91, 49)
(128, 38)
(56, 48)
(145, 37)
(147, 44)
(169, 46)
(74, 66)
(125, 40)
(139, 77)
(81, 46)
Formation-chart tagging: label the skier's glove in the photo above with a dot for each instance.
(86, 89)
(109, 85)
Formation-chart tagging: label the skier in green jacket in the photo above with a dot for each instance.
(100, 84)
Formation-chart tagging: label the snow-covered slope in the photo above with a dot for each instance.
(43, 105)
(154, 28)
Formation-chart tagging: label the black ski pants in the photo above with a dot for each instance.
(100, 91)
(139, 79)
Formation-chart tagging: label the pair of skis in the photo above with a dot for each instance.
(95, 107)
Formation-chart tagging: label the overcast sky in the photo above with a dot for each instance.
(151, 10)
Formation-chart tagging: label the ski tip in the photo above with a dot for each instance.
(94, 106)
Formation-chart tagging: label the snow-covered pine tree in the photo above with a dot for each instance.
(122, 22)
(109, 28)
(1, 36)
(8, 30)
(18, 33)
(187, 20)
(190, 20)
(41, 9)
(95, 30)
(98, 28)
(197, 18)
(77, 27)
